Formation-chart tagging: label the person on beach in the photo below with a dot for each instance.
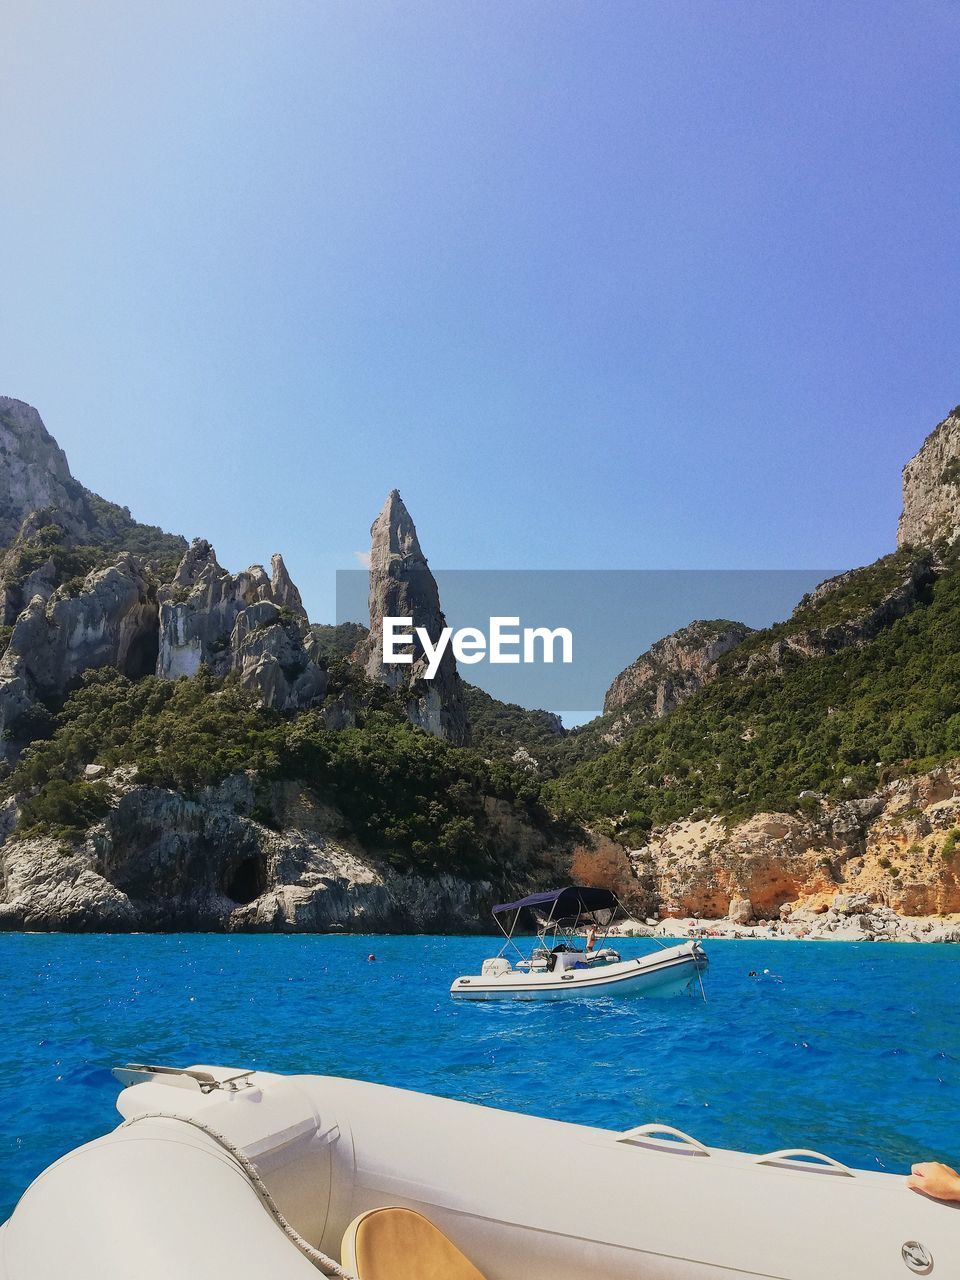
(936, 1180)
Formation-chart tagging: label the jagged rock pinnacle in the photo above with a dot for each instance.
(285, 593)
(393, 536)
(199, 556)
(402, 586)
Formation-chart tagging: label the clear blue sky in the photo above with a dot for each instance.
(611, 283)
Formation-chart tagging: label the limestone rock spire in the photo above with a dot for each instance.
(402, 586)
(285, 593)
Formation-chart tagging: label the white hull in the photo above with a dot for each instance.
(663, 973)
(524, 1198)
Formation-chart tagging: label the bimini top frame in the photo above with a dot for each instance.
(571, 903)
(560, 911)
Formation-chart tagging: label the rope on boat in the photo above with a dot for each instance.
(327, 1265)
(700, 980)
(630, 916)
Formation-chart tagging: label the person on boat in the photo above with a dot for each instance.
(591, 939)
(936, 1180)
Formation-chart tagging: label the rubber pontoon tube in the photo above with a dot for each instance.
(159, 1201)
(320, 1260)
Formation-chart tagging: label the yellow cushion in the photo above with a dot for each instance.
(399, 1244)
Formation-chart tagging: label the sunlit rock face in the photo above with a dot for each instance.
(34, 471)
(198, 610)
(161, 860)
(267, 649)
(673, 669)
(892, 849)
(402, 586)
(112, 621)
(283, 590)
(245, 622)
(931, 488)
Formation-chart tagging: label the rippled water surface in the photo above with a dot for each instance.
(853, 1049)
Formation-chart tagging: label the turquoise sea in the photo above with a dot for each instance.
(853, 1049)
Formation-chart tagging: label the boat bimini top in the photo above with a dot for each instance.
(569, 904)
(562, 913)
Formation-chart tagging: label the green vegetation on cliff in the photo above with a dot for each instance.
(72, 561)
(852, 594)
(329, 642)
(499, 728)
(49, 544)
(116, 531)
(850, 598)
(773, 723)
(752, 741)
(425, 803)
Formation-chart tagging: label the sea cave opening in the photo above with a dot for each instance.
(247, 880)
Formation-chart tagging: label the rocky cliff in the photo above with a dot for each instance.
(846, 611)
(111, 621)
(73, 601)
(162, 860)
(201, 847)
(931, 488)
(34, 472)
(244, 622)
(118, 617)
(35, 477)
(672, 670)
(815, 738)
(899, 847)
(402, 586)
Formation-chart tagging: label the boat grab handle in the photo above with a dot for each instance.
(802, 1158)
(664, 1137)
(138, 1072)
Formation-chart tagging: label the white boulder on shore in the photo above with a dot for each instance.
(851, 919)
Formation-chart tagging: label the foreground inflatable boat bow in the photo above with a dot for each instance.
(223, 1174)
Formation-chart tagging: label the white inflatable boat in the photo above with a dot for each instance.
(557, 967)
(567, 972)
(224, 1175)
